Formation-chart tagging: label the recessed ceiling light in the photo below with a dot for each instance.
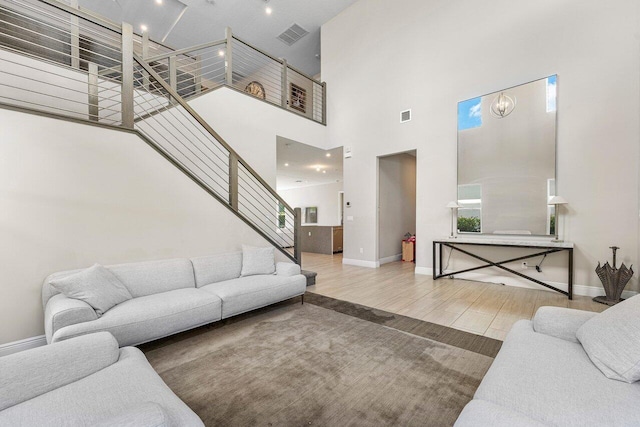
(158, 1)
(324, 171)
(221, 52)
(318, 169)
(328, 154)
(286, 164)
(268, 10)
(144, 28)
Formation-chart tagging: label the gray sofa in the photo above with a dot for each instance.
(170, 296)
(87, 381)
(559, 370)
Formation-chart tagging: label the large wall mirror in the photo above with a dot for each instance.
(507, 160)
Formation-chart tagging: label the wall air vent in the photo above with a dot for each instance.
(405, 116)
(292, 34)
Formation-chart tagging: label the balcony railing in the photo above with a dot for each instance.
(235, 63)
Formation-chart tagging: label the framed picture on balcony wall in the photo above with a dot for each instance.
(256, 89)
(297, 97)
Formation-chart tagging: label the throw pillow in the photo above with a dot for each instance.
(612, 340)
(257, 261)
(96, 286)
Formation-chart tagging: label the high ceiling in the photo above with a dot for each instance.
(301, 165)
(205, 20)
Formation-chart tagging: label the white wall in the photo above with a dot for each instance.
(325, 197)
(380, 57)
(72, 195)
(396, 203)
(251, 127)
(46, 85)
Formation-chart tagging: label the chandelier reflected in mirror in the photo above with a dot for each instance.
(503, 105)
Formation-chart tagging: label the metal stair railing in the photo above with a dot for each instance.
(62, 62)
(168, 120)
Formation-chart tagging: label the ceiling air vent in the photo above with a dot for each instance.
(405, 116)
(292, 34)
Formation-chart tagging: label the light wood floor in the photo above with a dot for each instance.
(481, 308)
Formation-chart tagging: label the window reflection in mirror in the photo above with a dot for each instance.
(469, 114)
(507, 160)
(470, 210)
(551, 209)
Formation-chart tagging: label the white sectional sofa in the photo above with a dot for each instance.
(565, 368)
(170, 296)
(87, 381)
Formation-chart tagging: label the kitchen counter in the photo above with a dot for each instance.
(322, 239)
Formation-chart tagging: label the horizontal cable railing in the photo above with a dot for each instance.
(235, 63)
(60, 63)
(144, 46)
(191, 73)
(164, 117)
(63, 62)
(163, 120)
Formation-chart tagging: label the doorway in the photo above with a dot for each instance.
(396, 203)
(341, 207)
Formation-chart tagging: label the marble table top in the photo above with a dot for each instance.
(507, 242)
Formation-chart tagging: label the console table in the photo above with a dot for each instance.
(545, 249)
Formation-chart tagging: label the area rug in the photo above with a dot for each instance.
(455, 337)
(293, 365)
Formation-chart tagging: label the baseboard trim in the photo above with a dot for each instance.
(583, 290)
(25, 344)
(387, 260)
(361, 263)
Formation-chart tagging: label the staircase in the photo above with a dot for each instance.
(62, 62)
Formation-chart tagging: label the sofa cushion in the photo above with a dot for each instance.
(30, 373)
(482, 413)
(560, 322)
(248, 293)
(612, 340)
(257, 261)
(102, 396)
(140, 278)
(62, 311)
(151, 317)
(147, 414)
(154, 277)
(96, 286)
(553, 381)
(216, 268)
(287, 269)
